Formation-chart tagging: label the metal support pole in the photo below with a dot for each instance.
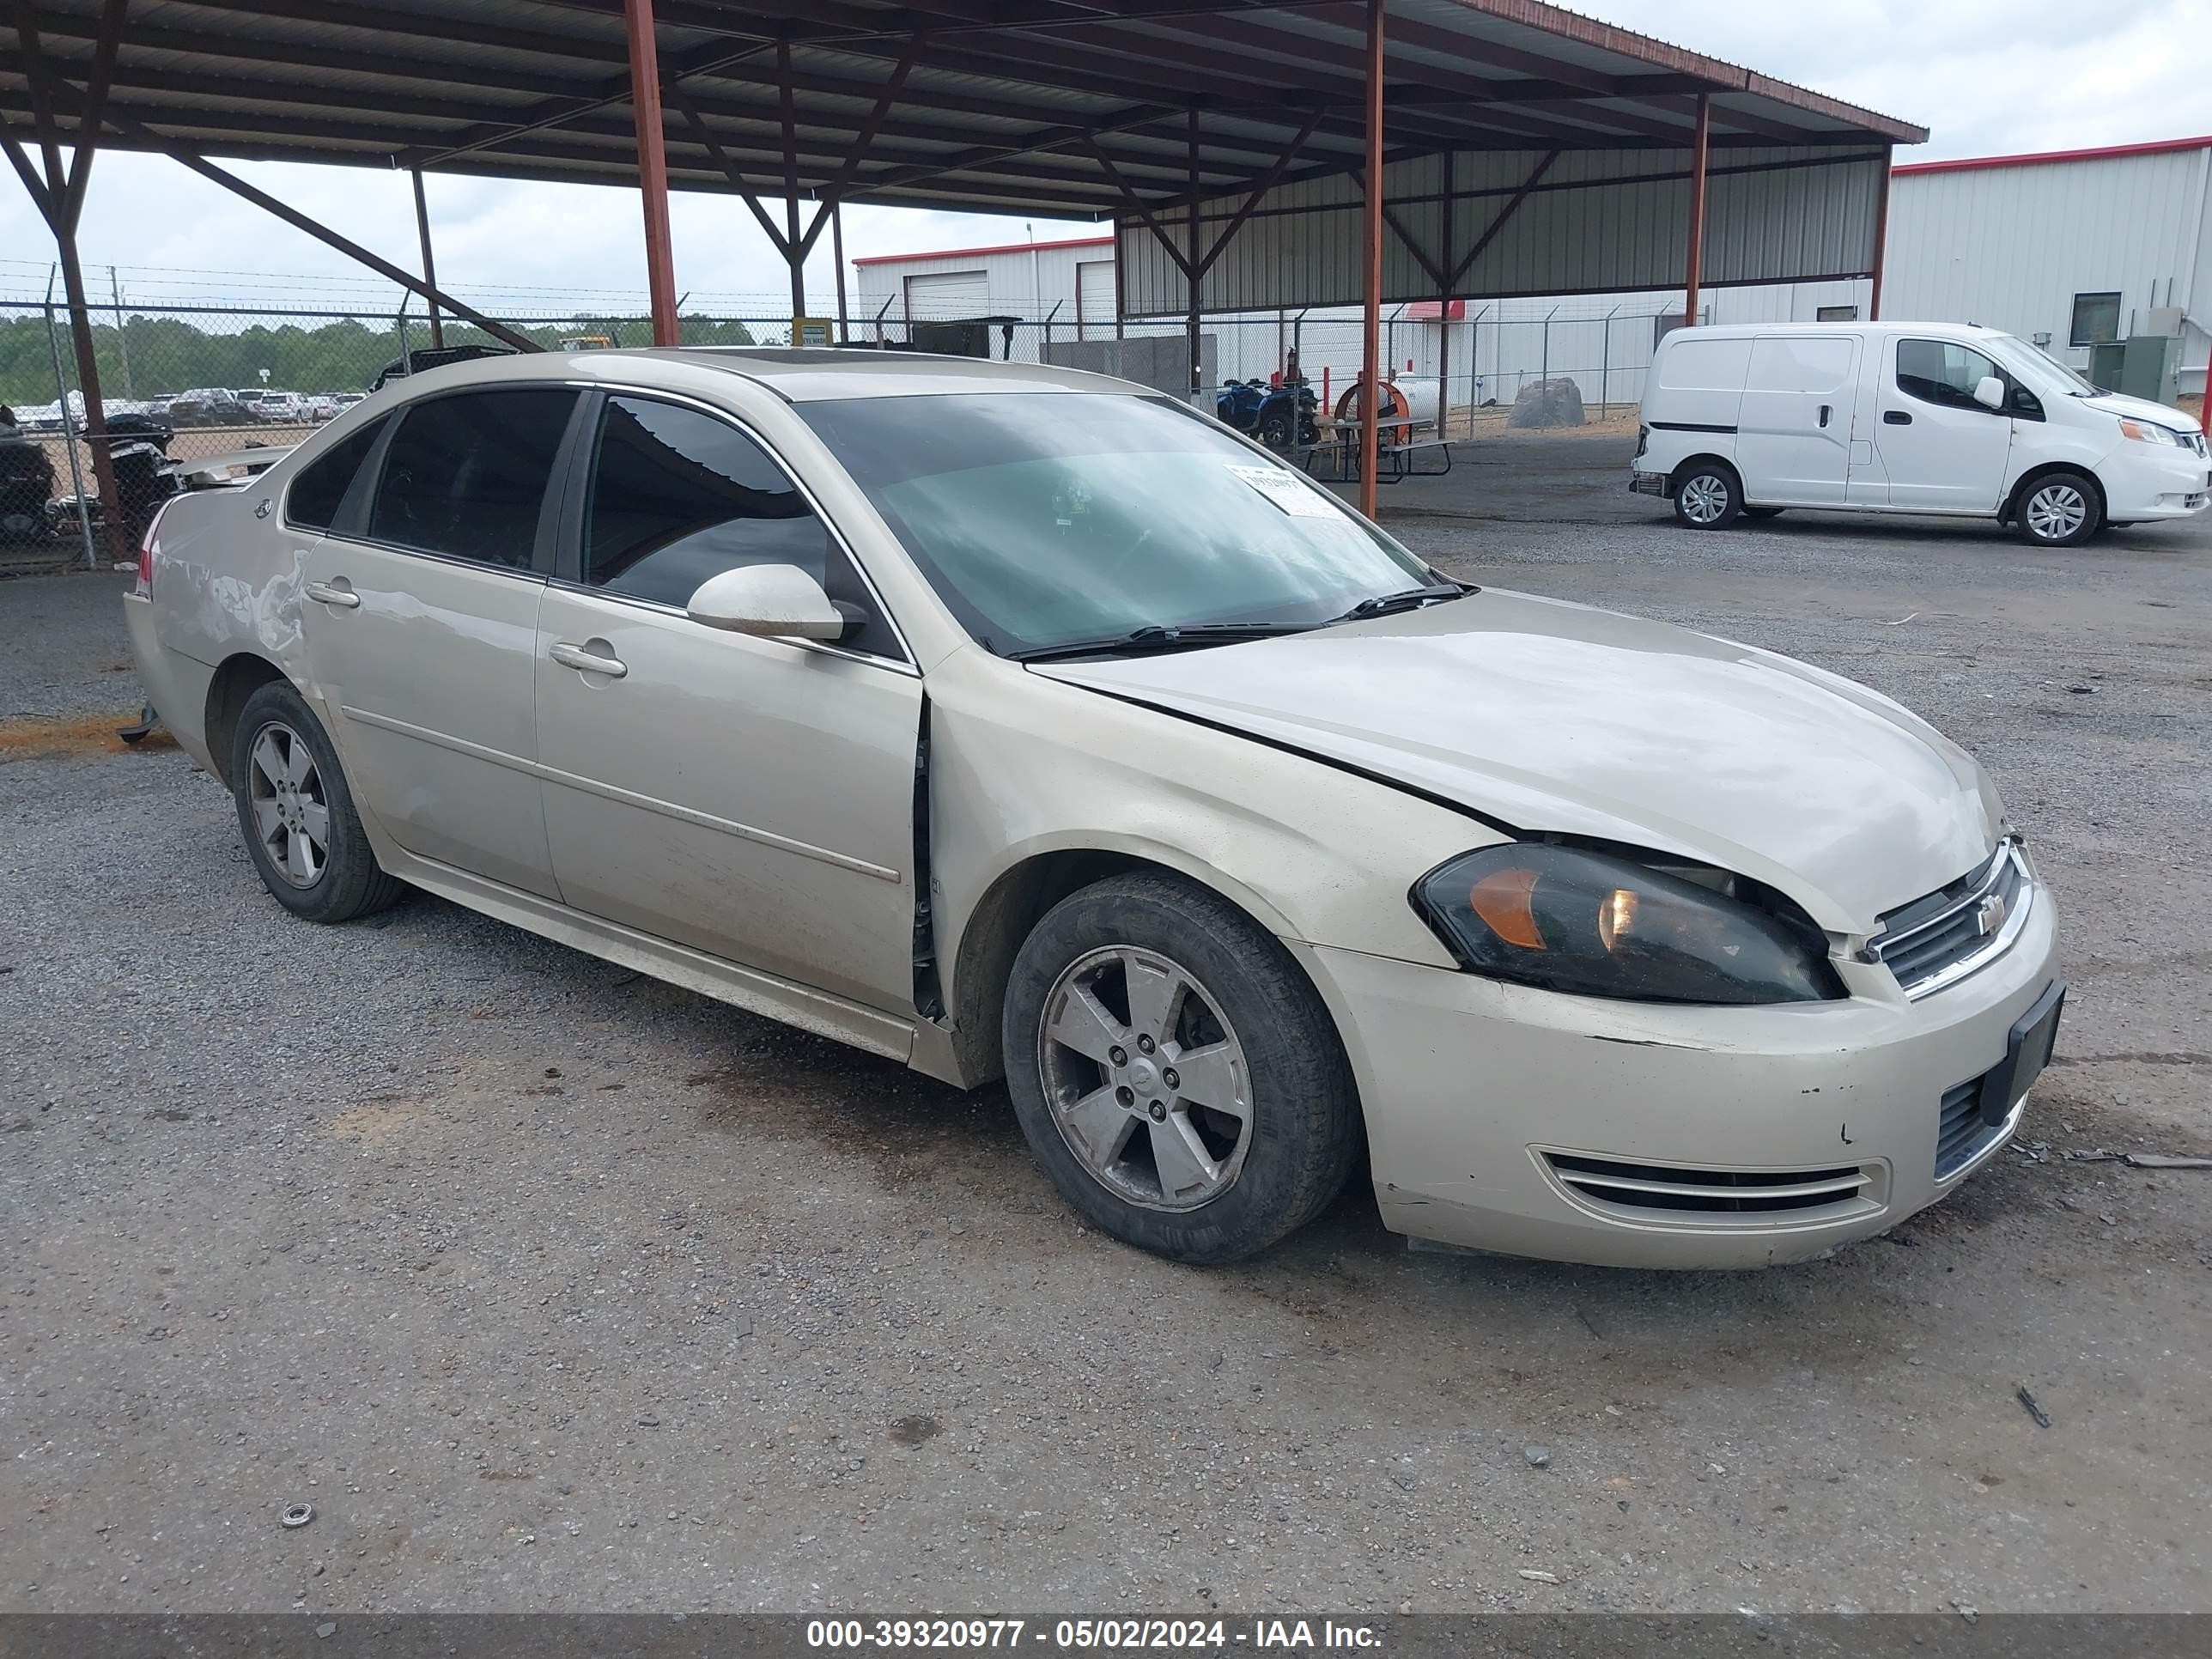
(122, 334)
(1194, 271)
(652, 167)
(1444, 304)
(794, 254)
(68, 442)
(1881, 239)
(1697, 260)
(837, 253)
(429, 265)
(1371, 390)
(1605, 369)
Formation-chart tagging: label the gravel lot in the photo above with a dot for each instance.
(551, 1286)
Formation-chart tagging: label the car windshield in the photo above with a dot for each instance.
(2022, 355)
(1046, 519)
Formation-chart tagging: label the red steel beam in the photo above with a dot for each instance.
(652, 167)
(1697, 260)
(1371, 220)
(1880, 240)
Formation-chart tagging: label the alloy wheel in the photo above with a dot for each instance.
(1146, 1082)
(291, 814)
(2056, 512)
(1705, 498)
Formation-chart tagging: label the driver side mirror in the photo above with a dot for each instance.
(769, 601)
(1989, 392)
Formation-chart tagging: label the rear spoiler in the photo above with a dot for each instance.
(217, 471)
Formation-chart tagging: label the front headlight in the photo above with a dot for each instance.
(2150, 432)
(1599, 925)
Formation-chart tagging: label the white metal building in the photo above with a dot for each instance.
(1969, 240)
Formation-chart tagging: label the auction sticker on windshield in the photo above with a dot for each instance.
(1286, 490)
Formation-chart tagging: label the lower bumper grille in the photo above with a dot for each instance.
(1961, 1135)
(1684, 1194)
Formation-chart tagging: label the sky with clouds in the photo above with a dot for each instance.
(1984, 76)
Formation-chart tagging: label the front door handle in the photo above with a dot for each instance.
(1895, 417)
(338, 593)
(589, 662)
(1826, 410)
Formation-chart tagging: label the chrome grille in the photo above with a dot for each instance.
(1939, 939)
(1711, 1194)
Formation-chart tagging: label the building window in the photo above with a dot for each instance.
(1837, 314)
(2096, 319)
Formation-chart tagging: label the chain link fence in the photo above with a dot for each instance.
(221, 378)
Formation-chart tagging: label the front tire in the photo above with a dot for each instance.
(1174, 1071)
(2060, 509)
(1707, 496)
(297, 814)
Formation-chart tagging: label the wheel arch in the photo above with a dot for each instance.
(995, 927)
(2009, 512)
(1704, 458)
(237, 678)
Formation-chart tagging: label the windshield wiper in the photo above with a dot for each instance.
(1158, 637)
(1411, 598)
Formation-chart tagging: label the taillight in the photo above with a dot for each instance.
(146, 560)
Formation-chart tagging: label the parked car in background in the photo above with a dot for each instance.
(319, 406)
(1003, 720)
(209, 406)
(1906, 417)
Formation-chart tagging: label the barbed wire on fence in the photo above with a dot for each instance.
(222, 377)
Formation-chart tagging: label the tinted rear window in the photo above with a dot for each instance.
(465, 475)
(312, 501)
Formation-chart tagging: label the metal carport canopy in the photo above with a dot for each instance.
(1065, 107)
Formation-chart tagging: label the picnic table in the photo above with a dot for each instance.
(1338, 444)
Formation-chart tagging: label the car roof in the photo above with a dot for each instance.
(801, 374)
(1752, 330)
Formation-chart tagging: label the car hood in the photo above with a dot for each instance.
(2142, 409)
(1548, 717)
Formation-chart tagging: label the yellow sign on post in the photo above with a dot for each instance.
(812, 331)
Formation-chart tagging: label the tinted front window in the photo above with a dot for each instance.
(465, 475)
(1044, 518)
(312, 501)
(679, 495)
(1942, 371)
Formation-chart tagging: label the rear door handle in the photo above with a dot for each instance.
(589, 662)
(338, 593)
(1895, 417)
(1826, 410)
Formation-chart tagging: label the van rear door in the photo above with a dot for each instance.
(1793, 439)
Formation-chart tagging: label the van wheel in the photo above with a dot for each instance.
(1762, 513)
(1174, 1072)
(2060, 509)
(1707, 496)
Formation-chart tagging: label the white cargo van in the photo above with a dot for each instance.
(1906, 417)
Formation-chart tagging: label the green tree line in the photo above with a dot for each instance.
(152, 354)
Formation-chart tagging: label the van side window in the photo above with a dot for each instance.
(465, 475)
(677, 495)
(1943, 372)
(313, 501)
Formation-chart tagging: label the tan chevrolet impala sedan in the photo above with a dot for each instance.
(1013, 722)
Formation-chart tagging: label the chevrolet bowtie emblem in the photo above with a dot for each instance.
(1990, 914)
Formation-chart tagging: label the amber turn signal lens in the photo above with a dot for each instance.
(1502, 899)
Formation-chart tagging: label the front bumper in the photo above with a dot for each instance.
(1489, 1106)
(1648, 483)
(2143, 481)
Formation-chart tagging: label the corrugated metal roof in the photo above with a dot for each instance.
(1006, 107)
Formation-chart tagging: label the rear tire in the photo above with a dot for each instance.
(1708, 496)
(2059, 509)
(1174, 1071)
(297, 814)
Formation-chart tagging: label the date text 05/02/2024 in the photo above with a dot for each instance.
(1162, 1635)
